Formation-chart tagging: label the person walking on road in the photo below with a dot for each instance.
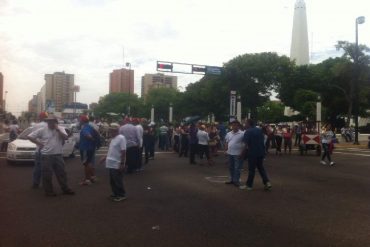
(36, 174)
(288, 135)
(326, 140)
(278, 139)
(193, 142)
(203, 147)
(234, 148)
(89, 142)
(50, 140)
(115, 162)
(253, 140)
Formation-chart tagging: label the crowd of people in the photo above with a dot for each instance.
(135, 138)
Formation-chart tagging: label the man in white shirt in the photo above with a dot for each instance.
(203, 148)
(115, 162)
(234, 148)
(36, 175)
(50, 141)
(141, 134)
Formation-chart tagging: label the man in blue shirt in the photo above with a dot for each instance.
(255, 147)
(89, 142)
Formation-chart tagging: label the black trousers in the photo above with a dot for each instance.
(193, 151)
(132, 159)
(116, 182)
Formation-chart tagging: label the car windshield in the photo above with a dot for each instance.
(25, 133)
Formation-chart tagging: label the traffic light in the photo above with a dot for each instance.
(163, 66)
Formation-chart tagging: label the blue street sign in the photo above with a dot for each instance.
(213, 70)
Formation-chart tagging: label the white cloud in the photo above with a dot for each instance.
(85, 37)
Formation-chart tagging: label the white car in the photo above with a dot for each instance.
(22, 149)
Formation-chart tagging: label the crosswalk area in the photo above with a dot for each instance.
(337, 151)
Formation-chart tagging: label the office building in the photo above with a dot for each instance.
(57, 91)
(159, 80)
(121, 81)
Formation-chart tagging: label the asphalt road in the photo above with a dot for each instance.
(174, 204)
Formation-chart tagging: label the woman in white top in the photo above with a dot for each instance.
(326, 139)
(203, 147)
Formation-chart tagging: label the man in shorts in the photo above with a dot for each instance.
(89, 142)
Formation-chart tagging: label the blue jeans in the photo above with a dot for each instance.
(235, 166)
(253, 163)
(36, 175)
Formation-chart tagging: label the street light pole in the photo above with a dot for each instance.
(359, 20)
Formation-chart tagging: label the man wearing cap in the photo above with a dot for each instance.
(115, 162)
(234, 147)
(50, 141)
(36, 175)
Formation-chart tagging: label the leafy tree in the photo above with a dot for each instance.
(161, 98)
(254, 76)
(271, 112)
(118, 103)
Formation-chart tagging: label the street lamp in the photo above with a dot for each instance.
(359, 20)
(129, 89)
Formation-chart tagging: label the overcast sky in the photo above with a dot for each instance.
(86, 37)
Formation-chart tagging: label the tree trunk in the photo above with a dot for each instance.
(350, 99)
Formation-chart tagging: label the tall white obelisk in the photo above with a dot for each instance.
(299, 48)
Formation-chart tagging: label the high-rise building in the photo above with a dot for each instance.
(57, 91)
(32, 104)
(121, 81)
(159, 80)
(2, 101)
(299, 50)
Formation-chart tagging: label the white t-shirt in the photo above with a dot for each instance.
(235, 143)
(203, 137)
(116, 146)
(37, 127)
(327, 137)
(50, 138)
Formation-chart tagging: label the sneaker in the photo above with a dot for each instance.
(85, 182)
(244, 187)
(119, 198)
(237, 185)
(332, 163)
(69, 192)
(93, 179)
(268, 186)
(322, 162)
